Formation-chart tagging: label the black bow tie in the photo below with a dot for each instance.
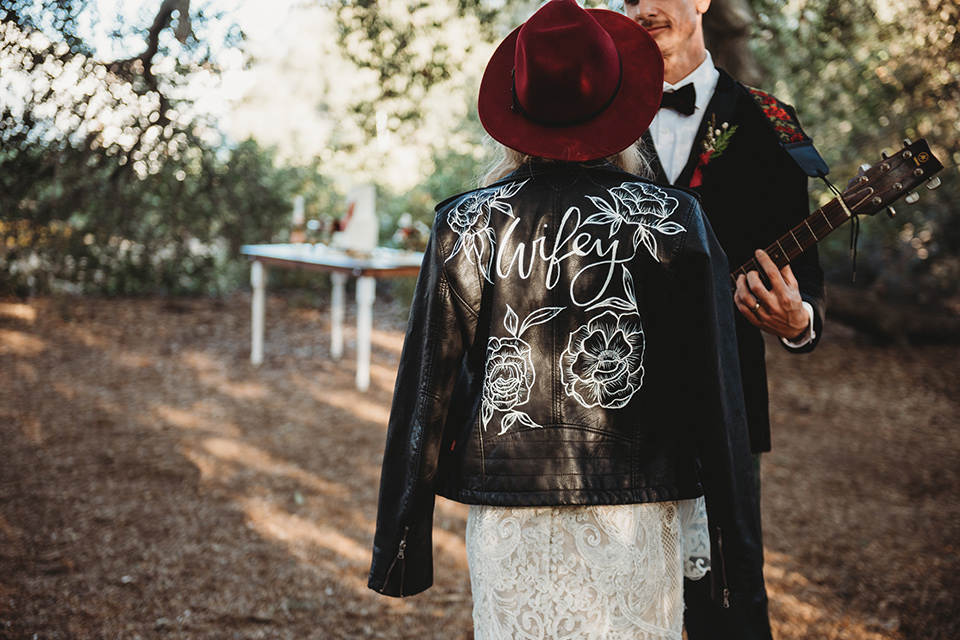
(683, 100)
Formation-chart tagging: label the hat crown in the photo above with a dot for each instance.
(572, 84)
(567, 68)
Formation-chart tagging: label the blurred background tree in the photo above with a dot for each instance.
(112, 180)
(865, 75)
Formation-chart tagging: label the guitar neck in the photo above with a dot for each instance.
(867, 193)
(814, 228)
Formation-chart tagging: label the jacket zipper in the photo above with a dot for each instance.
(403, 565)
(723, 570)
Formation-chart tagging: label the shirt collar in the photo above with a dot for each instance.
(704, 79)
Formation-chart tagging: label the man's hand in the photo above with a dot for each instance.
(778, 310)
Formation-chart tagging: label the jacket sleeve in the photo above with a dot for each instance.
(719, 423)
(429, 363)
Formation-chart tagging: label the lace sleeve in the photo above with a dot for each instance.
(694, 537)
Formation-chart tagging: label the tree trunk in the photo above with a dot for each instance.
(726, 29)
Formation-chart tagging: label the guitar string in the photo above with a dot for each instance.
(854, 228)
(798, 230)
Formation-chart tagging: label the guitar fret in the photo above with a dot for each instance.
(742, 270)
(778, 255)
(838, 212)
(799, 246)
(827, 219)
(803, 235)
(846, 210)
(823, 228)
(817, 225)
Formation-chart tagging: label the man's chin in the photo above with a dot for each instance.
(656, 32)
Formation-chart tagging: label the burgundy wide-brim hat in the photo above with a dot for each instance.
(572, 84)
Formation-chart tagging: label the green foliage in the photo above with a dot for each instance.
(105, 186)
(412, 46)
(406, 220)
(177, 230)
(864, 75)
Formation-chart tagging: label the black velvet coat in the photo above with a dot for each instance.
(753, 193)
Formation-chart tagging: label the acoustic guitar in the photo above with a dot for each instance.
(871, 191)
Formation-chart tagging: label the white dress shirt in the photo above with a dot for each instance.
(674, 133)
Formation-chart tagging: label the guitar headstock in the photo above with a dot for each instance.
(894, 177)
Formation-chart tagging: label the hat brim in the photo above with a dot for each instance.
(613, 130)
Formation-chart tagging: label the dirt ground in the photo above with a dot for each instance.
(154, 484)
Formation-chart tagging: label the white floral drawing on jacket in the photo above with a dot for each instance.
(470, 220)
(628, 303)
(509, 373)
(641, 204)
(603, 362)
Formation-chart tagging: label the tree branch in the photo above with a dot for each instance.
(126, 68)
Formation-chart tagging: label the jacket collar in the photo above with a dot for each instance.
(542, 168)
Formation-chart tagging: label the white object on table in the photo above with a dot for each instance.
(362, 229)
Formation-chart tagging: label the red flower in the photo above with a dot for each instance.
(779, 113)
(697, 179)
(788, 132)
(765, 98)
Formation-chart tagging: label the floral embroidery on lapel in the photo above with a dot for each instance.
(470, 220)
(509, 372)
(714, 144)
(640, 204)
(783, 123)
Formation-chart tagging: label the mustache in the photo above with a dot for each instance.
(652, 24)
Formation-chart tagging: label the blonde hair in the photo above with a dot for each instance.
(633, 159)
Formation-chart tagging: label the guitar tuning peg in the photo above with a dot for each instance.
(911, 198)
(891, 212)
(884, 154)
(933, 183)
(907, 142)
(864, 167)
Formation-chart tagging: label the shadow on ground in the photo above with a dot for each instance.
(154, 484)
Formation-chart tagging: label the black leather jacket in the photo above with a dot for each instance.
(570, 342)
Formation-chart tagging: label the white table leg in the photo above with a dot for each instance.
(258, 280)
(366, 292)
(338, 280)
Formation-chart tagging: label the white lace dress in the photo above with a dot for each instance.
(612, 572)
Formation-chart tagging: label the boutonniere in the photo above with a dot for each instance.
(713, 145)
